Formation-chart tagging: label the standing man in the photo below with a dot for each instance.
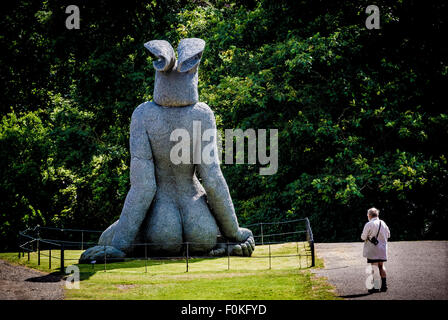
(375, 235)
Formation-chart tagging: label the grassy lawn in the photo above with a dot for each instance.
(248, 278)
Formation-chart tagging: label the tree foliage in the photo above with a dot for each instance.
(360, 113)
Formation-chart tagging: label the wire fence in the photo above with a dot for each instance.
(291, 239)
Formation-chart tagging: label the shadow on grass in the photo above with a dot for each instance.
(52, 277)
(88, 270)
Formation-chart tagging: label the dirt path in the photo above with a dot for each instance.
(21, 283)
(416, 270)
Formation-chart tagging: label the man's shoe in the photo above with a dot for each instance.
(383, 285)
(373, 290)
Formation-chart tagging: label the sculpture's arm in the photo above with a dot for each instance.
(143, 184)
(218, 195)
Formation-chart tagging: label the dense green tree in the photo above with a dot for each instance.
(360, 113)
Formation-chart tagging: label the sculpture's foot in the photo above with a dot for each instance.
(243, 249)
(100, 254)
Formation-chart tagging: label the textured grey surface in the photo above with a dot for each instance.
(176, 82)
(189, 53)
(167, 205)
(416, 270)
(175, 89)
(164, 52)
(101, 253)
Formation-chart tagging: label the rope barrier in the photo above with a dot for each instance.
(99, 231)
(63, 244)
(74, 230)
(280, 234)
(270, 223)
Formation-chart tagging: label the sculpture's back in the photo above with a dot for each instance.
(166, 205)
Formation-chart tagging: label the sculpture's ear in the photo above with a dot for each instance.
(189, 54)
(164, 51)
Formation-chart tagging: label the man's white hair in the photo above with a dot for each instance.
(374, 212)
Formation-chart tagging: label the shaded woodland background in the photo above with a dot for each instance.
(361, 114)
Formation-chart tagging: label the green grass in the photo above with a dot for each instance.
(248, 278)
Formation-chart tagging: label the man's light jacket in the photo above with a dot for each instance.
(370, 230)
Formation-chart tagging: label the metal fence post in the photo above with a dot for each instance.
(105, 259)
(300, 256)
(312, 253)
(146, 258)
(28, 256)
(269, 256)
(38, 253)
(82, 240)
(62, 258)
(187, 256)
(310, 238)
(49, 259)
(261, 225)
(228, 256)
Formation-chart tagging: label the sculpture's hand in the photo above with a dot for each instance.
(244, 249)
(100, 253)
(243, 246)
(247, 245)
(243, 234)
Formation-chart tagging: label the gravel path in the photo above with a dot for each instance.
(416, 270)
(21, 283)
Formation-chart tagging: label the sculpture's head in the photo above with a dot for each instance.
(176, 82)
